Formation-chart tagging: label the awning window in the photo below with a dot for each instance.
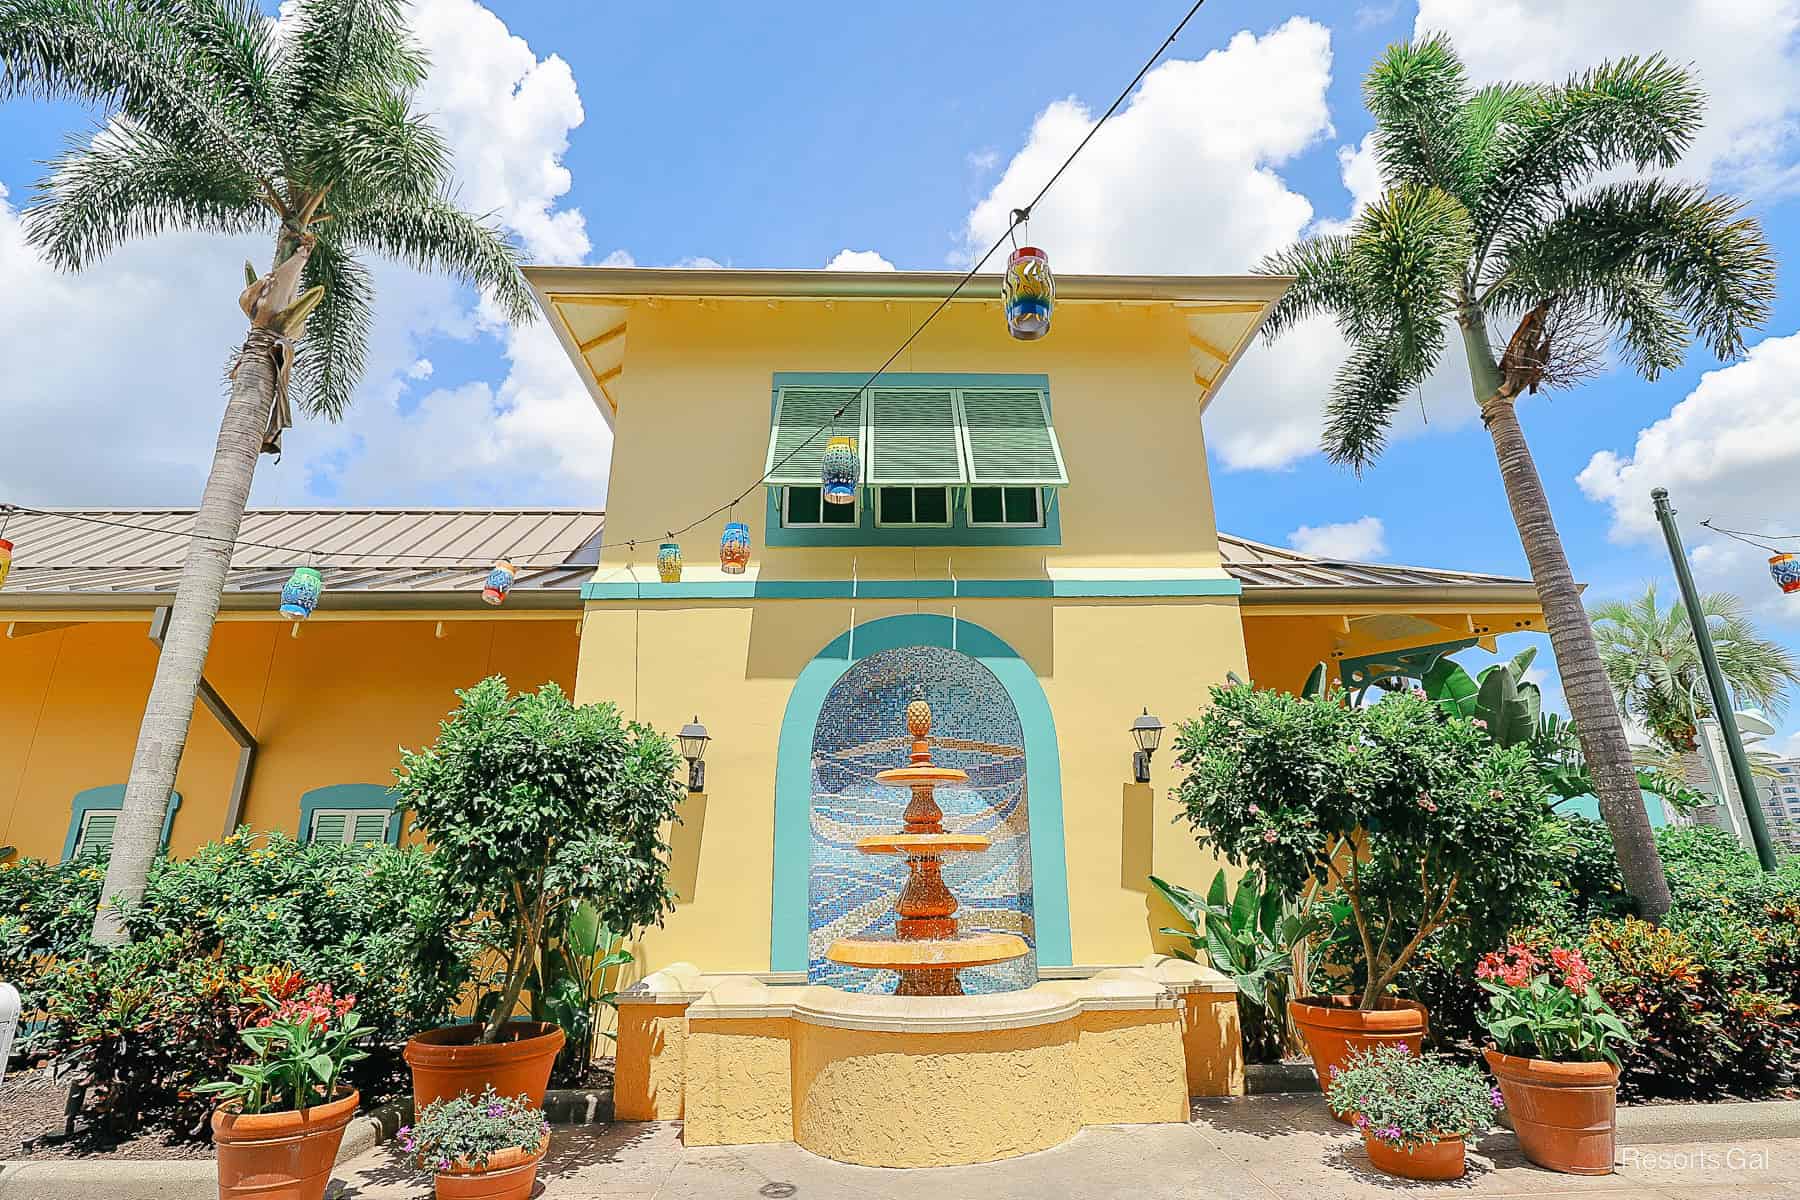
(913, 438)
(1008, 438)
(794, 450)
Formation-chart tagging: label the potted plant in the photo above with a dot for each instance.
(1556, 1055)
(484, 1147)
(283, 1114)
(534, 805)
(1416, 1112)
(1401, 814)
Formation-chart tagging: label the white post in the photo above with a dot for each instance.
(9, 1023)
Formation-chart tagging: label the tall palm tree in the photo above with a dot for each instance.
(1653, 662)
(216, 118)
(1512, 205)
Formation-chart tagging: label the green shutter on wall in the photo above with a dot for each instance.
(799, 414)
(370, 827)
(1009, 439)
(329, 826)
(97, 834)
(913, 438)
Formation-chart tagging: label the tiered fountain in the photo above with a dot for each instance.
(927, 949)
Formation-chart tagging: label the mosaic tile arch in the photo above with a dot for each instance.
(861, 731)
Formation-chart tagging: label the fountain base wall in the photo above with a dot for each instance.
(898, 1081)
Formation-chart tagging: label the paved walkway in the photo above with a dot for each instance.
(1261, 1148)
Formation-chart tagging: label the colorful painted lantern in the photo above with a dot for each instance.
(300, 595)
(1785, 569)
(1028, 293)
(499, 582)
(6, 549)
(734, 548)
(840, 470)
(668, 562)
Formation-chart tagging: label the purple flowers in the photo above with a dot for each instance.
(1496, 1098)
(496, 1109)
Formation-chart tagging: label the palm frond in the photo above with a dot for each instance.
(1369, 387)
(1415, 91)
(338, 46)
(1483, 125)
(330, 359)
(234, 44)
(1323, 283)
(1409, 249)
(434, 235)
(365, 147)
(128, 183)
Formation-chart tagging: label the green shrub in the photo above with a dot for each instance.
(46, 910)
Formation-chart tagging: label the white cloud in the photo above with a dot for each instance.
(1743, 51)
(982, 161)
(420, 370)
(1728, 451)
(858, 260)
(1362, 539)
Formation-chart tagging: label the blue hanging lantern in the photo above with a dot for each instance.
(840, 470)
(1785, 570)
(668, 562)
(734, 548)
(1028, 293)
(499, 582)
(300, 594)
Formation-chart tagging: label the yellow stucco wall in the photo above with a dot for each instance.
(1130, 1067)
(331, 706)
(739, 1082)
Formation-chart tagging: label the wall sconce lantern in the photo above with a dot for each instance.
(1147, 732)
(693, 739)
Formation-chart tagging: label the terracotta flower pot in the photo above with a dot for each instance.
(1332, 1026)
(508, 1175)
(448, 1062)
(1442, 1159)
(1565, 1113)
(280, 1155)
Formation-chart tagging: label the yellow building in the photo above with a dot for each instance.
(1034, 539)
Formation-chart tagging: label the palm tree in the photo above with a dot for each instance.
(1511, 204)
(216, 118)
(1653, 662)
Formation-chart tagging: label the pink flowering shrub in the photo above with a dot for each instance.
(1546, 1006)
(1405, 1099)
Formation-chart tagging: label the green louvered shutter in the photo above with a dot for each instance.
(913, 437)
(1009, 438)
(97, 834)
(329, 826)
(799, 414)
(370, 827)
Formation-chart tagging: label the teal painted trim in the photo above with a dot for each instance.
(867, 533)
(348, 796)
(915, 589)
(104, 799)
(919, 379)
(793, 778)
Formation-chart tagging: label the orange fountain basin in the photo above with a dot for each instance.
(917, 776)
(923, 843)
(891, 954)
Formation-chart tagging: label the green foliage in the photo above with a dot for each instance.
(301, 1049)
(46, 910)
(535, 805)
(472, 1129)
(1250, 936)
(1545, 1005)
(1406, 1099)
(576, 969)
(1448, 823)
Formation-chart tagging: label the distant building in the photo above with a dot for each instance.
(1781, 804)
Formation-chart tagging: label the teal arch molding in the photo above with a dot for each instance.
(110, 798)
(349, 795)
(793, 777)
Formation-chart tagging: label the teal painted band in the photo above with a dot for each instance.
(914, 589)
(348, 796)
(109, 798)
(793, 777)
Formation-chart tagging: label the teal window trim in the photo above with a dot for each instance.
(110, 798)
(350, 797)
(793, 777)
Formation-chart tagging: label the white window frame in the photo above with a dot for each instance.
(350, 815)
(915, 488)
(855, 510)
(1042, 508)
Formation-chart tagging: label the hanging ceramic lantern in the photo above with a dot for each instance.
(300, 595)
(499, 582)
(1028, 293)
(1785, 569)
(840, 470)
(6, 549)
(734, 548)
(668, 562)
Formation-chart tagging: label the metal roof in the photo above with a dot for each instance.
(442, 555)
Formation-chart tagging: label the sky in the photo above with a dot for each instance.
(889, 134)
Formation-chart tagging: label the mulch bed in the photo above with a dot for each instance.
(32, 1123)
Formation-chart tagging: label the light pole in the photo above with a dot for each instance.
(1715, 684)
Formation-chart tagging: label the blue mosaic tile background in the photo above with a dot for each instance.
(861, 732)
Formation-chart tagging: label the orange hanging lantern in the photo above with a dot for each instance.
(1783, 568)
(6, 549)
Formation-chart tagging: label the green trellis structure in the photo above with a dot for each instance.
(1370, 670)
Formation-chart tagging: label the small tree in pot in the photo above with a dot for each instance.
(1410, 817)
(535, 805)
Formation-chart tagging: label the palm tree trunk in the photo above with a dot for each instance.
(170, 709)
(1590, 698)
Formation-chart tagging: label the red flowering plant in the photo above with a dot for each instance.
(1545, 1005)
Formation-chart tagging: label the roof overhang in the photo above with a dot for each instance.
(589, 307)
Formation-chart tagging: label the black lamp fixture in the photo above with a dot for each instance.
(1147, 732)
(693, 739)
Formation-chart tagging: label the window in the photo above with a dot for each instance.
(912, 506)
(1014, 506)
(94, 820)
(805, 508)
(96, 834)
(349, 826)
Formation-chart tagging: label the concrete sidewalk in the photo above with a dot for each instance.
(1260, 1148)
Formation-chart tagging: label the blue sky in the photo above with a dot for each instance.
(780, 136)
